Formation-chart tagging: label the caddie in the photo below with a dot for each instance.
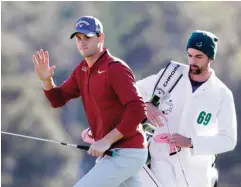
(197, 118)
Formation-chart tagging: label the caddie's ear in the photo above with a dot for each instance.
(210, 60)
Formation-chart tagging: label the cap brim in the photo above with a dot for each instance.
(85, 32)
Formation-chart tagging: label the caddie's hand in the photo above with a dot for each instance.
(98, 148)
(41, 65)
(155, 116)
(180, 140)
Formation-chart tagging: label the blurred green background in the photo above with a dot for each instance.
(145, 34)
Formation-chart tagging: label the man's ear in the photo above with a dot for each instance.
(211, 60)
(102, 37)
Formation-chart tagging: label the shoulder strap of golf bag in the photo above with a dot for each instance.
(171, 75)
(169, 78)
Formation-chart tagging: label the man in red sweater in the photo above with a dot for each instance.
(113, 106)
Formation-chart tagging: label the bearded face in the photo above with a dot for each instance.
(198, 61)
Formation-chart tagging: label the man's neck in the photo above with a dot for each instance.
(202, 77)
(92, 59)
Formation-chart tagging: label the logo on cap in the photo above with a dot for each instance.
(81, 23)
(97, 29)
(199, 44)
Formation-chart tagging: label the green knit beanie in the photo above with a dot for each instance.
(203, 41)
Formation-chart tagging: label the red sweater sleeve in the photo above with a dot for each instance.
(60, 95)
(122, 81)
